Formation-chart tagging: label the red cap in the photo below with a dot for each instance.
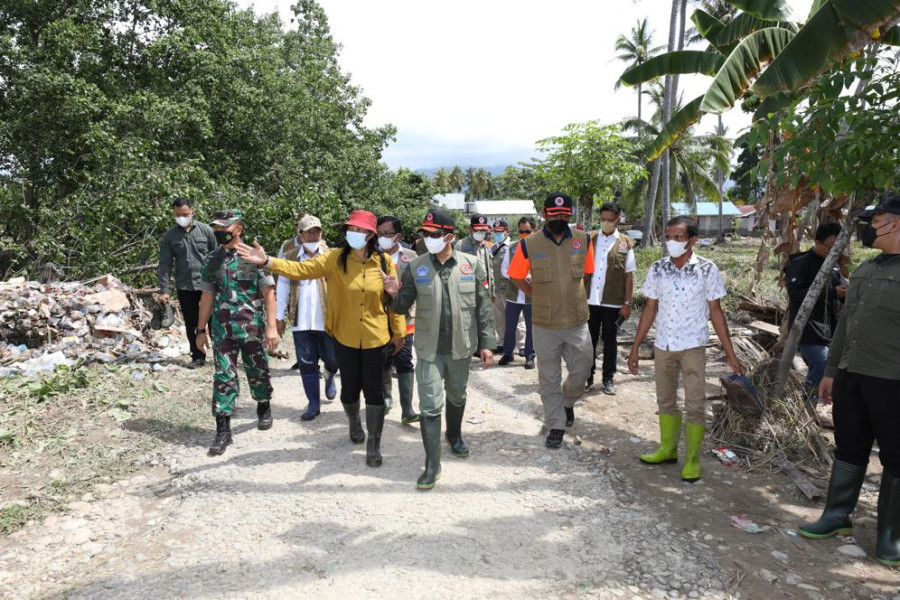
(363, 219)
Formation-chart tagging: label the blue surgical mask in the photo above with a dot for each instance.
(356, 240)
(499, 237)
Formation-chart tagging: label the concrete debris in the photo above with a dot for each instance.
(44, 325)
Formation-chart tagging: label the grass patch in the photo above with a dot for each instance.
(63, 433)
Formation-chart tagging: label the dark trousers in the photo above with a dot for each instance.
(361, 371)
(189, 300)
(403, 360)
(312, 346)
(867, 409)
(603, 322)
(513, 310)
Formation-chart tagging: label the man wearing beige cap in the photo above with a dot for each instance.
(302, 305)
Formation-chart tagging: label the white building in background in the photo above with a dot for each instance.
(507, 210)
(707, 215)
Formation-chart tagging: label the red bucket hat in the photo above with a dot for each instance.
(363, 219)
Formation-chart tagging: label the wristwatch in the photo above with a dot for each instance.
(198, 331)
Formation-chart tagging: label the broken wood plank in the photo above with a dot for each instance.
(802, 482)
(766, 327)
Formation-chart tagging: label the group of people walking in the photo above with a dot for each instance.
(362, 308)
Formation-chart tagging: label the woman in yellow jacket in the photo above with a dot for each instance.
(356, 317)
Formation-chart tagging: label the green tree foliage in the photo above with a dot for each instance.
(748, 187)
(588, 160)
(110, 108)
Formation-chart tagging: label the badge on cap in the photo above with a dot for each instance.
(559, 201)
(422, 271)
(465, 270)
(481, 219)
(429, 217)
(576, 244)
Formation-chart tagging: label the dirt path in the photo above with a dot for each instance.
(294, 511)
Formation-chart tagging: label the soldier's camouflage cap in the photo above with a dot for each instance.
(224, 218)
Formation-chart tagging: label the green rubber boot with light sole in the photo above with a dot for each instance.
(693, 441)
(843, 493)
(669, 434)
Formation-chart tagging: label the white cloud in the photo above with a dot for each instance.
(482, 80)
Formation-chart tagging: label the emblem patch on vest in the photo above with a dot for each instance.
(404, 258)
(465, 269)
(576, 244)
(422, 271)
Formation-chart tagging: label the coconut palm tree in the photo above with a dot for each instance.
(636, 50)
(457, 180)
(441, 180)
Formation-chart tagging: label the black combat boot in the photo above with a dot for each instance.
(223, 435)
(374, 423)
(264, 413)
(843, 492)
(357, 435)
(454, 430)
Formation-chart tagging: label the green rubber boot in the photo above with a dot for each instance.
(458, 446)
(669, 433)
(887, 550)
(387, 385)
(431, 439)
(405, 383)
(843, 493)
(693, 441)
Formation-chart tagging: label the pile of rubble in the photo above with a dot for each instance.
(43, 325)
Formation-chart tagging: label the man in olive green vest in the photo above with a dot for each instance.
(559, 260)
(454, 318)
(610, 290)
(501, 242)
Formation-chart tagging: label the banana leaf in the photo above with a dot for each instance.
(825, 39)
(742, 65)
(707, 25)
(771, 10)
(742, 26)
(677, 125)
(679, 62)
(891, 36)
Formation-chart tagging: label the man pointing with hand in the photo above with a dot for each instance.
(454, 317)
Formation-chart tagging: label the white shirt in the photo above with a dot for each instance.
(504, 271)
(310, 313)
(682, 319)
(601, 257)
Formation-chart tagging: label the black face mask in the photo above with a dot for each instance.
(224, 237)
(869, 234)
(557, 227)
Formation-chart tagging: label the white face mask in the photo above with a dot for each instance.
(478, 236)
(676, 249)
(386, 242)
(184, 221)
(311, 247)
(435, 245)
(356, 240)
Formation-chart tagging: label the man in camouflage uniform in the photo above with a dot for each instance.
(234, 291)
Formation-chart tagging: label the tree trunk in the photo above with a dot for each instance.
(720, 180)
(668, 103)
(586, 207)
(650, 205)
(640, 100)
(815, 290)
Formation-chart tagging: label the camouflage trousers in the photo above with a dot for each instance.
(226, 386)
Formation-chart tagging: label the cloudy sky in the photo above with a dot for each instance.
(477, 82)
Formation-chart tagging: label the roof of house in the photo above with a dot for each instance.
(705, 209)
(505, 207)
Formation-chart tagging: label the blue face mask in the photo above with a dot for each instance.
(499, 237)
(356, 240)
